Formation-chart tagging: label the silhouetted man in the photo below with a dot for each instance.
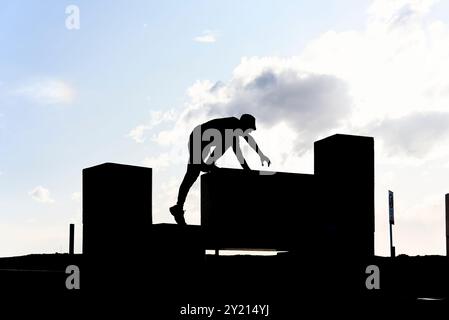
(208, 142)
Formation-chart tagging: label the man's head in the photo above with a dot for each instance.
(247, 122)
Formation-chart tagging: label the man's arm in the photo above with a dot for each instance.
(252, 143)
(239, 154)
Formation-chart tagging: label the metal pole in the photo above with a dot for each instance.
(391, 221)
(392, 248)
(72, 239)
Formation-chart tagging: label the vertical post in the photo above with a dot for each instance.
(72, 239)
(447, 224)
(391, 220)
(392, 248)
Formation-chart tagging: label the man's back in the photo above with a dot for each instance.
(221, 124)
(206, 134)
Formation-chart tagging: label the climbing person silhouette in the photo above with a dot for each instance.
(207, 143)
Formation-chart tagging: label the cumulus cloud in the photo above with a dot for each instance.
(138, 134)
(341, 80)
(412, 135)
(389, 74)
(47, 91)
(391, 69)
(399, 11)
(311, 104)
(41, 194)
(206, 37)
(159, 162)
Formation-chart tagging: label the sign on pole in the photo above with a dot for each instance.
(391, 206)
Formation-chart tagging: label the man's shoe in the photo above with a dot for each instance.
(178, 213)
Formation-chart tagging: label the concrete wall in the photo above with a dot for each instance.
(344, 168)
(253, 210)
(117, 204)
(332, 210)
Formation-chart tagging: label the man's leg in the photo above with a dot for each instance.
(193, 171)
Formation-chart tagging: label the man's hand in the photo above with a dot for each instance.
(264, 158)
(210, 167)
(245, 166)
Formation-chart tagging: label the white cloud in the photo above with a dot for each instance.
(41, 194)
(76, 196)
(420, 226)
(137, 134)
(399, 10)
(274, 92)
(156, 118)
(391, 69)
(206, 37)
(342, 81)
(414, 135)
(159, 162)
(47, 91)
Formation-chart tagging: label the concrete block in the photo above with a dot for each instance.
(256, 210)
(344, 169)
(117, 204)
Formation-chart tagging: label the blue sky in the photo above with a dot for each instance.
(69, 99)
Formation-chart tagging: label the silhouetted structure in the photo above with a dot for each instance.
(447, 224)
(116, 208)
(134, 267)
(117, 204)
(391, 221)
(172, 245)
(72, 239)
(250, 209)
(344, 168)
(331, 210)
